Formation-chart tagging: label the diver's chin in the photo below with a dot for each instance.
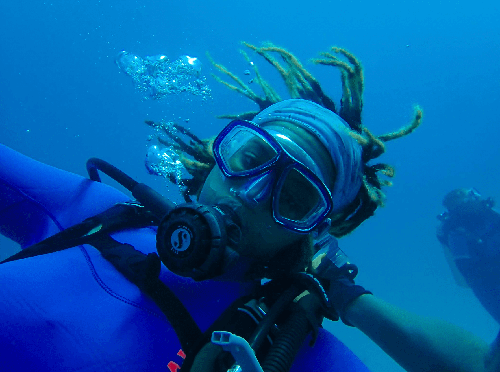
(236, 268)
(207, 197)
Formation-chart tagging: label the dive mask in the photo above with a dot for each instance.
(300, 199)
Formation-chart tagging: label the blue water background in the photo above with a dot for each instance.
(63, 100)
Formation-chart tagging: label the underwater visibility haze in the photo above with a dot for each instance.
(107, 79)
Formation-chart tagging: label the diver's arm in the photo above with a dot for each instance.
(493, 357)
(414, 342)
(459, 278)
(38, 200)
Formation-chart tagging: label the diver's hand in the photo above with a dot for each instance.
(339, 287)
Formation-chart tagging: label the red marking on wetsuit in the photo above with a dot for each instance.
(173, 367)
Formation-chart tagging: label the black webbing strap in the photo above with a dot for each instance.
(118, 217)
(141, 269)
(71, 237)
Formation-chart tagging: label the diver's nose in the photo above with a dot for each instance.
(256, 190)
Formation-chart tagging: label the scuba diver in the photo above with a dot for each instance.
(469, 232)
(69, 308)
(470, 235)
(241, 277)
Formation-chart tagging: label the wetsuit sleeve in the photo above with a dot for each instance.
(459, 278)
(327, 354)
(443, 233)
(37, 200)
(492, 361)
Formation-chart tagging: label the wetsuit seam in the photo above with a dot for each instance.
(22, 193)
(108, 290)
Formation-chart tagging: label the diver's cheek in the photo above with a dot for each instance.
(207, 196)
(263, 242)
(213, 189)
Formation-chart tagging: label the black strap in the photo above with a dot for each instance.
(68, 238)
(118, 217)
(141, 269)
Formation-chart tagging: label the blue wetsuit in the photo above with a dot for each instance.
(73, 311)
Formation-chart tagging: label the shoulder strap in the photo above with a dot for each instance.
(141, 269)
(144, 270)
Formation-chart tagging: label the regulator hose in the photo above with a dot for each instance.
(148, 197)
(282, 353)
(305, 317)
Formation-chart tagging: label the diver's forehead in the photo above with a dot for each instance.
(288, 127)
(289, 132)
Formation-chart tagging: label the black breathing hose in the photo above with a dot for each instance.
(262, 330)
(288, 342)
(148, 197)
(292, 333)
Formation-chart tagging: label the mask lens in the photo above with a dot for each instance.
(299, 199)
(243, 150)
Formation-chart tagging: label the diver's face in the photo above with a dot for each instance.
(263, 237)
